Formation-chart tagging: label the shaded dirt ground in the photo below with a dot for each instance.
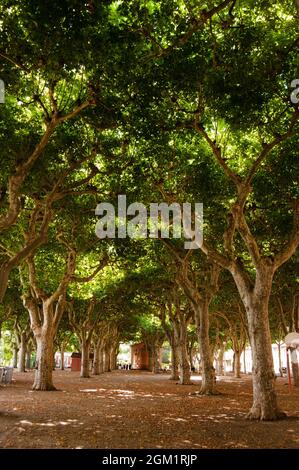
(130, 409)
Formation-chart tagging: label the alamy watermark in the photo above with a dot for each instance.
(295, 93)
(160, 221)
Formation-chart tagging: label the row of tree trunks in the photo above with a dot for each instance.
(200, 302)
(177, 334)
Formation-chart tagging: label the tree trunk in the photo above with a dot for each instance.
(4, 275)
(155, 363)
(28, 358)
(244, 360)
(62, 358)
(174, 362)
(101, 361)
(85, 347)
(208, 380)
(279, 359)
(113, 358)
(294, 360)
(98, 359)
(185, 371)
(107, 367)
(150, 360)
(237, 364)
(220, 369)
(15, 356)
(256, 302)
(44, 359)
(22, 353)
(190, 355)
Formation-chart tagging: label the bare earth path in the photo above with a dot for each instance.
(130, 409)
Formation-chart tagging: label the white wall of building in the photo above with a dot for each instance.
(229, 355)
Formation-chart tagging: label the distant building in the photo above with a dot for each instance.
(139, 357)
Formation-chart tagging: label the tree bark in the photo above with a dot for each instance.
(107, 367)
(85, 348)
(185, 371)
(113, 357)
(244, 360)
(28, 358)
(174, 362)
(237, 364)
(44, 358)
(154, 363)
(15, 356)
(295, 372)
(279, 359)
(208, 380)
(220, 368)
(256, 301)
(22, 353)
(62, 358)
(98, 360)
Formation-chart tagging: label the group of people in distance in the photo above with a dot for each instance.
(125, 366)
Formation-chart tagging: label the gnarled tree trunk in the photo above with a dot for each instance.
(44, 359)
(256, 302)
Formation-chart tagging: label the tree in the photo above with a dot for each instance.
(229, 114)
(84, 325)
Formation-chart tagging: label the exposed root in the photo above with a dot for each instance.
(185, 383)
(256, 414)
(48, 388)
(202, 393)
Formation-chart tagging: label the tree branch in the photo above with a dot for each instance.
(103, 263)
(293, 242)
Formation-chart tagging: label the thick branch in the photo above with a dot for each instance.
(196, 25)
(99, 268)
(270, 146)
(290, 248)
(217, 152)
